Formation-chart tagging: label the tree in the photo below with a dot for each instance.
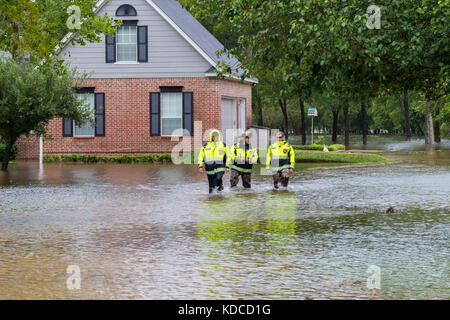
(36, 87)
(32, 94)
(37, 27)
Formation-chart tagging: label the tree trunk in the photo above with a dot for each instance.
(259, 106)
(303, 119)
(6, 156)
(346, 127)
(429, 137)
(364, 122)
(437, 129)
(284, 110)
(406, 115)
(335, 124)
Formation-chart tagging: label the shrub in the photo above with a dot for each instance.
(335, 147)
(320, 140)
(304, 156)
(148, 158)
(51, 158)
(319, 147)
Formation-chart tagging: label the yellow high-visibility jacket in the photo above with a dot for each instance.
(214, 155)
(243, 157)
(280, 155)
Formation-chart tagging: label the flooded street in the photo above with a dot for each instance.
(153, 232)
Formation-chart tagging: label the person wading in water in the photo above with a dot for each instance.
(215, 159)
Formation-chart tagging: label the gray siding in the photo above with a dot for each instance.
(169, 54)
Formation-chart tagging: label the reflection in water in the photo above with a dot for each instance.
(245, 238)
(151, 231)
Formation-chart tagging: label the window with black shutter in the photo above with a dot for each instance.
(87, 130)
(67, 127)
(142, 43)
(110, 52)
(99, 114)
(155, 114)
(188, 112)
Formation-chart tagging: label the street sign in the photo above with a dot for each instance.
(312, 112)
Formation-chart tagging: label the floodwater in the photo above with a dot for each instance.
(153, 232)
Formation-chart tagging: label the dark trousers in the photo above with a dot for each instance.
(281, 176)
(246, 178)
(215, 180)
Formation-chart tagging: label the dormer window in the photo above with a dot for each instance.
(126, 11)
(126, 43)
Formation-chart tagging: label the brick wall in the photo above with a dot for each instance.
(127, 116)
(28, 147)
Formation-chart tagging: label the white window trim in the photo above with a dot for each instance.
(137, 48)
(161, 120)
(126, 62)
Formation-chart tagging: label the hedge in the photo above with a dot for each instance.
(148, 158)
(305, 156)
(319, 147)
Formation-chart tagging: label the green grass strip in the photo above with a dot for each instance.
(305, 156)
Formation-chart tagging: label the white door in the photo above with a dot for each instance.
(229, 117)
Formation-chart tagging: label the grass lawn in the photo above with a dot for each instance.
(308, 156)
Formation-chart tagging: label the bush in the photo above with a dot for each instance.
(12, 156)
(304, 156)
(335, 147)
(319, 147)
(148, 158)
(51, 158)
(320, 140)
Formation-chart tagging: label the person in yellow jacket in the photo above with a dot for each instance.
(280, 160)
(243, 157)
(214, 158)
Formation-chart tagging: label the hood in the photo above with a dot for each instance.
(211, 134)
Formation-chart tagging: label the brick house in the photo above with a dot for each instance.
(154, 76)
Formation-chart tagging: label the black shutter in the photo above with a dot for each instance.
(142, 35)
(155, 114)
(110, 53)
(188, 112)
(67, 127)
(99, 114)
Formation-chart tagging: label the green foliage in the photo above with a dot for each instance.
(305, 156)
(320, 140)
(324, 52)
(148, 158)
(32, 94)
(13, 154)
(37, 27)
(335, 147)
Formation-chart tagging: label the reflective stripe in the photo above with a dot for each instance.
(213, 159)
(241, 169)
(220, 170)
(286, 166)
